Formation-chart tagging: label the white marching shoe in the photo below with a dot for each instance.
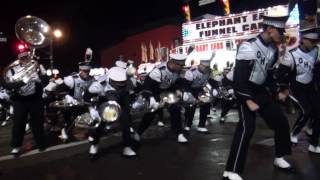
(222, 120)
(309, 131)
(182, 138)
(160, 124)
(128, 151)
(136, 137)
(187, 128)
(294, 139)
(231, 176)
(27, 127)
(282, 164)
(93, 149)
(314, 149)
(64, 136)
(4, 123)
(202, 129)
(15, 151)
(90, 138)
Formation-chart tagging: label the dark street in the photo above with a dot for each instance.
(159, 157)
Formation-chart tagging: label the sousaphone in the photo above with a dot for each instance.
(36, 33)
(33, 31)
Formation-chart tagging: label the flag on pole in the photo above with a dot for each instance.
(159, 52)
(151, 53)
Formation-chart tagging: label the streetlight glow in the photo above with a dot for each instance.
(57, 33)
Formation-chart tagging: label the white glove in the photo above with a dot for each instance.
(188, 97)
(34, 77)
(26, 79)
(51, 86)
(231, 91)
(139, 103)
(58, 81)
(179, 93)
(4, 95)
(214, 92)
(70, 100)
(44, 94)
(153, 104)
(94, 114)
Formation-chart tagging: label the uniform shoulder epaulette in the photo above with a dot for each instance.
(193, 69)
(294, 49)
(251, 40)
(74, 75)
(162, 66)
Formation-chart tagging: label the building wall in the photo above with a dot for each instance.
(130, 48)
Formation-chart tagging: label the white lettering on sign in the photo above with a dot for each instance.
(222, 27)
(205, 2)
(3, 39)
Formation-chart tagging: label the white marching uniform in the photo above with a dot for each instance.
(300, 64)
(120, 95)
(254, 60)
(77, 84)
(164, 76)
(28, 106)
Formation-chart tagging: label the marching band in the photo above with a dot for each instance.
(253, 85)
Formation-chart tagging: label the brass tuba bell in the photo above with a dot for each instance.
(33, 31)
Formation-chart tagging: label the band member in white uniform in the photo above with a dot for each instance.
(163, 78)
(115, 90)
(76, 84)
(254, 61)
(298, 64)
(197, 77)
(5, 106)
(228, 101)
(27, 102)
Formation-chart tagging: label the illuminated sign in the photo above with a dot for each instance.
(233, 26)
(222, 27)
(205, 2)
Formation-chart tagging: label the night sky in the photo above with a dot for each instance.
(98, 24)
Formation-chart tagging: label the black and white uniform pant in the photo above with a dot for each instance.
(226, 105)
(69, 116)
(5, 106)
(160, 115)
(307, 100)
(31, 111)
(204, 111)
(175, 118)
(275, 119)
(125, 121)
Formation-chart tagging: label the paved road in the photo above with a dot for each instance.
(160, 157)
